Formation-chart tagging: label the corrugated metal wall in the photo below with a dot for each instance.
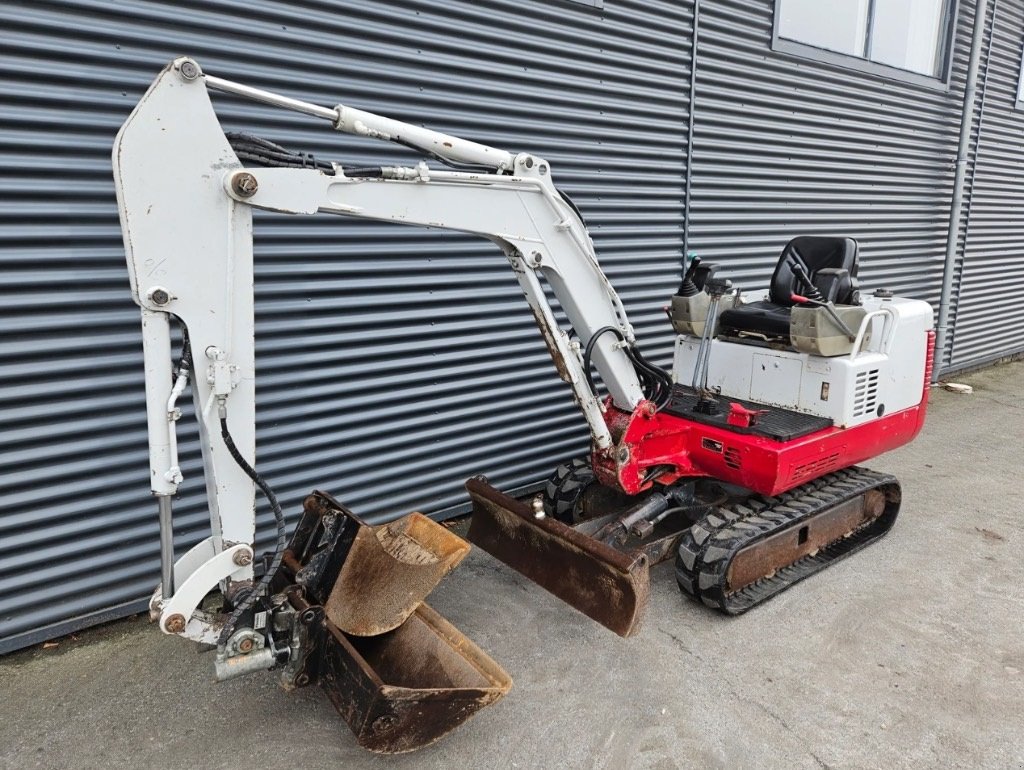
(990, 316)
(786, 145)
(393, 362)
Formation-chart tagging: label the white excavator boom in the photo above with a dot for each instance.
(186, 203)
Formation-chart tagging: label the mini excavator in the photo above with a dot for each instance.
(741, 463)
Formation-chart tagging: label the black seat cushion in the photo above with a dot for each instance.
(763, 317)
(815, 252)
(771, 317)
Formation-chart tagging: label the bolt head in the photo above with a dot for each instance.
(189, 70)
(158, 295)
(175, 623)
(244, 184)
(245, 646)
(242, 558)
(538, 507)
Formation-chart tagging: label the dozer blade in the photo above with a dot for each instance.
(607, 585)
(369, 579)
(402, 690)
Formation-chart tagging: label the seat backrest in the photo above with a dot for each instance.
(817, 252)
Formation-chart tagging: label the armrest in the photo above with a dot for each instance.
(830, 281)
(704, 273)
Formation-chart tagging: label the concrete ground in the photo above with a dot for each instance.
(909, 654)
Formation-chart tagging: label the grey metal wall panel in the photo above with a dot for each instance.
(990, 317)
(786, 145)
(393, 363)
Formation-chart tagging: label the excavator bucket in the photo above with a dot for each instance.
(405, 689)
(370, 579)
(605, 584)
(398, 673)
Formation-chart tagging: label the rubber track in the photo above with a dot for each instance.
(564, 488)
(708, 547)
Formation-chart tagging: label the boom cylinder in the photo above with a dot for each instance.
(166, 547)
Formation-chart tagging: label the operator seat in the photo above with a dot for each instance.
(831, 263)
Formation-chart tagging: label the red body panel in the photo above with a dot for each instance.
(655, 446)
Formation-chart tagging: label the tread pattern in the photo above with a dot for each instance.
(564, 488)
(708, 547)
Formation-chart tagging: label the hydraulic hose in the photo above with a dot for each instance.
(250, 598)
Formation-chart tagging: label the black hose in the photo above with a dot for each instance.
(660, 389)
(257, 150)
(250, 598)
(655, 382)
(185, 365)
(589, 350)
(185, 361)
(367, 172)
(572, 204)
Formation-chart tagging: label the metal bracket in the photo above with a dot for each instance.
(176, 615)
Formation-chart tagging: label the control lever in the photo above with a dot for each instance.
(830, 308)
(800, 271)
(706, 402)
(688, 288)
(814, 296)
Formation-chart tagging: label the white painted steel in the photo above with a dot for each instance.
(362, 123)
(867, 323)
(532, 226)
(888, 372)
(182, 233)
(156, 345)
(190, 592)
(188, 239)
(364, 330)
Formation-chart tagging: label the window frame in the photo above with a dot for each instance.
(940, 82)
(1018, 102)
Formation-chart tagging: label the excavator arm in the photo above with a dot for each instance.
(186, 203)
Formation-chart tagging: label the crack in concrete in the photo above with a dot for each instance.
(679, 642)
(779, 720)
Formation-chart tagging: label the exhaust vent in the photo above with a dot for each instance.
(865, 393)
(817, 467)
(732, 457)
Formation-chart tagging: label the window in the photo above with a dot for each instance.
(1020, 86)
(908, 35)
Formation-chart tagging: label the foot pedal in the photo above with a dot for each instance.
(609, 586)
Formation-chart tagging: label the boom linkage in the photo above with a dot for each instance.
(176, 172)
